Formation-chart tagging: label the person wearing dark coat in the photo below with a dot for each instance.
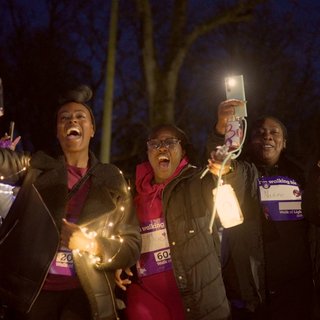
(179, 272)
(71, 225)
(266, 260)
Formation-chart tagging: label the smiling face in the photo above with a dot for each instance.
(165, 158)
(74, 130)
(268, 141)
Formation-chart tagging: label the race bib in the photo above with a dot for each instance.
(155, 253)
(280, 198)
(63, 263)
(6, 199)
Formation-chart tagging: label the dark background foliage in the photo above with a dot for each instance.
(48, 46)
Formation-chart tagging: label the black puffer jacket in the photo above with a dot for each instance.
(30, 234)
(188, 204)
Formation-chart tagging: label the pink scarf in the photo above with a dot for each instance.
(148, 199)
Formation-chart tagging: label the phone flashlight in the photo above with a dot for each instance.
(235, 90)
(230, 82)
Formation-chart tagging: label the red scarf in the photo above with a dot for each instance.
(148, 200)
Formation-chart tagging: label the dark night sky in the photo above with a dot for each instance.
(35, 12)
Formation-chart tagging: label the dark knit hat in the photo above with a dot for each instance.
(81, 94)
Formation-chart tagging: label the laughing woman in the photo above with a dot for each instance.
(70, 227)
(178, 275)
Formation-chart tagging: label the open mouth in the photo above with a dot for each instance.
(163, 161)
(73, 132)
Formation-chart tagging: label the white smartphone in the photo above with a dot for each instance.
(235, 90)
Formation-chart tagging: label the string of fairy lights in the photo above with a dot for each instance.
(91, 235)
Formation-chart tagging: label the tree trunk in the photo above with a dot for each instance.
(161, 81)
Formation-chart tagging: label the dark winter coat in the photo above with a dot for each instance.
(187, 205)
(30, 234)
(264, 257)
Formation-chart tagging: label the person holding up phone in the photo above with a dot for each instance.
(266, 261)
(8, 192)
(8, 140)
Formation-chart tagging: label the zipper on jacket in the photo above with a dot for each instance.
(57, 247)
(112, 297)
(8, 233)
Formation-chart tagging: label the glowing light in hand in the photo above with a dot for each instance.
(227, 205)
(95, 259)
